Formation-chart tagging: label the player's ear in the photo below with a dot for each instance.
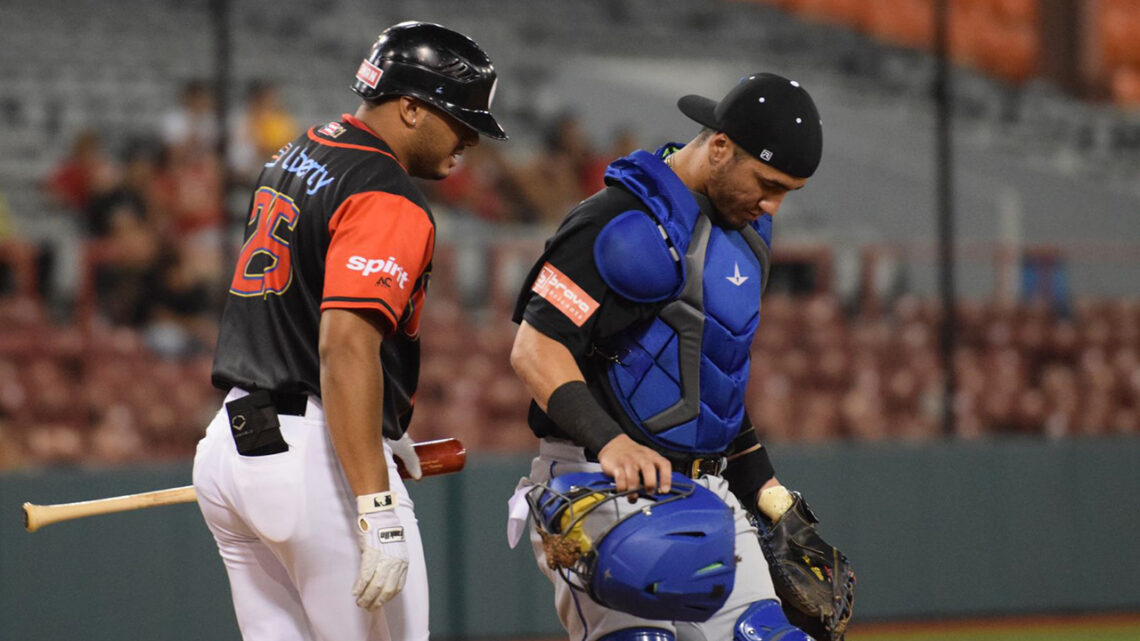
(411, 111)
(719, 148)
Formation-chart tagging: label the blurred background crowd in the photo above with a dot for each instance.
(122, 198)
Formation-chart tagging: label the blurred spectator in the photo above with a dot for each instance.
(193, 123)
(131, 251)
(259, 131)
(134, 195)
(8, 271)
(485, 184)
(81, 175)
(190, 210)
(490, 186)
(622, 143)
(190, 178)
(190, 194)
(7, 227)
(565, 136)
(552, 182)
(179, 298)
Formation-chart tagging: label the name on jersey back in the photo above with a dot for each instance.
(294, 160)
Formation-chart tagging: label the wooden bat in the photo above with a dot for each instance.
(444, 456)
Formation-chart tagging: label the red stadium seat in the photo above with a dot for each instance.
(845, 12)
(1020, 12)
(1119, 26)
(967, 23)
(1124, 84)
(1010, 51)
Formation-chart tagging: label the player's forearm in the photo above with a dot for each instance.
(352, 402)
(542, 363)
(352, 392)
(550, 373)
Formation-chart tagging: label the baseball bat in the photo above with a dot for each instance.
(444, 456)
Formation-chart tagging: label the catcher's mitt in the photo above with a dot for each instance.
(813, 579)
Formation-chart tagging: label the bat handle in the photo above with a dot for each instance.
(37, 516)
(442, 456)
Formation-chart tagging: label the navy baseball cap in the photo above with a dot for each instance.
(770, 117)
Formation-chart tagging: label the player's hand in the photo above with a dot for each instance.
(405, 449)
(383, 558)
(632, 464)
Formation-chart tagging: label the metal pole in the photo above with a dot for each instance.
(944, 168)
(223, 76)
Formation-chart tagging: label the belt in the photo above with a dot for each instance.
(696, 467)
(692, 467)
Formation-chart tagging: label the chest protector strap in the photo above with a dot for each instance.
(680, 377)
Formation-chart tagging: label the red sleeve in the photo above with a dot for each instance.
(381, 244)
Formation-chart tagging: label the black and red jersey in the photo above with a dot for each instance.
(335, 222)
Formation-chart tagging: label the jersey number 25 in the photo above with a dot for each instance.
(265, 265)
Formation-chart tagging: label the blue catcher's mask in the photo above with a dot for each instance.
(665, 556)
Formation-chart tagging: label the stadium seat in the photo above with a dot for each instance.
(1125, 85)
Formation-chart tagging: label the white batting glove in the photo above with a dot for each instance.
(383, 551)
(405, 448)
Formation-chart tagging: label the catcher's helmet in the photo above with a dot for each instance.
(437, 65)
(666, 556)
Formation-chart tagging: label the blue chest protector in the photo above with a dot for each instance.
(681, 376)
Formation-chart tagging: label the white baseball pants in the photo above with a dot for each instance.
(284, 525)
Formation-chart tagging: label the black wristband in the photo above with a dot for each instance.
(578, 413)
(747, 473)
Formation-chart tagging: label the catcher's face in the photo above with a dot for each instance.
(741, 187)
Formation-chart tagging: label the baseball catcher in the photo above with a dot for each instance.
(635, 331)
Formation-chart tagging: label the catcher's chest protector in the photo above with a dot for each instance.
(681, 376)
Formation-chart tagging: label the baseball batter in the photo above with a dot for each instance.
(319, 350)
(635, 327)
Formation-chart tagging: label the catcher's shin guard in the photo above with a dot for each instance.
(639, 634)
(765, 621)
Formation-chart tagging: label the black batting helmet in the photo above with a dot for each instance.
(430, 62)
